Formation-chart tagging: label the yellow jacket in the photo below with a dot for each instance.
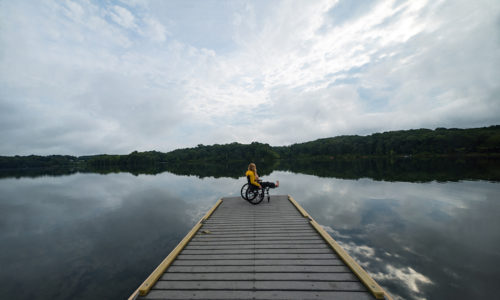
(251, 174)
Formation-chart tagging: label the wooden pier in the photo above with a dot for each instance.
(273, 250)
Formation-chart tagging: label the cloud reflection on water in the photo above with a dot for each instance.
(420, 240)
(85, 230)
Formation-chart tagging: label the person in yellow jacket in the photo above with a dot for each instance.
(254, 178)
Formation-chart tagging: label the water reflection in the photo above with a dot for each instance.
(431, 241)
(70, 237)
(88, 236)
(387, 169)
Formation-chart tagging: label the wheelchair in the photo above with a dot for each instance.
(253, 194)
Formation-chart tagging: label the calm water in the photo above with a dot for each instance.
(91, 236)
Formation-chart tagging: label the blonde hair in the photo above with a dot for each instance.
(252, 167)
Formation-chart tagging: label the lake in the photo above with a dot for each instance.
(421, 233)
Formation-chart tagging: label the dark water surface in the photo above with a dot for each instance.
(91, 236)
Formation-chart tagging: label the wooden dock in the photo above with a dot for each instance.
(273, 250)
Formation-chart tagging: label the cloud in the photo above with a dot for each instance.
(155, 30)
(123, 17)
(92, 77)
(408, 276)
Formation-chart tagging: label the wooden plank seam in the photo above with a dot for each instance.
(162, 267)
(363, 276)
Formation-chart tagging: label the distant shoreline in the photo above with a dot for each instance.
(417, 143)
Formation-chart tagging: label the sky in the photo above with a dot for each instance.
(87, 77)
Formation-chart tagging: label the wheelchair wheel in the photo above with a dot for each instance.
(251, 194)
(244, 189)
(255, 196)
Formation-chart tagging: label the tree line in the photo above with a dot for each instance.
(421, 142)
(402, 143)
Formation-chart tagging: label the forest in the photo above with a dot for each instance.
(440, 142)
(421, 142)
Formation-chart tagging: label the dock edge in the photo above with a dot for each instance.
(146, 286)
(376, 290)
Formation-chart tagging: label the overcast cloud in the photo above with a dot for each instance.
(88, 77)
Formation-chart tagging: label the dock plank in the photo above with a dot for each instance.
(259, 262)
(207, 238)
(264, 243)
(255, 295)
(255, 256)
(223, 251)
(346, 276)
(260, 269)
(288, 285)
